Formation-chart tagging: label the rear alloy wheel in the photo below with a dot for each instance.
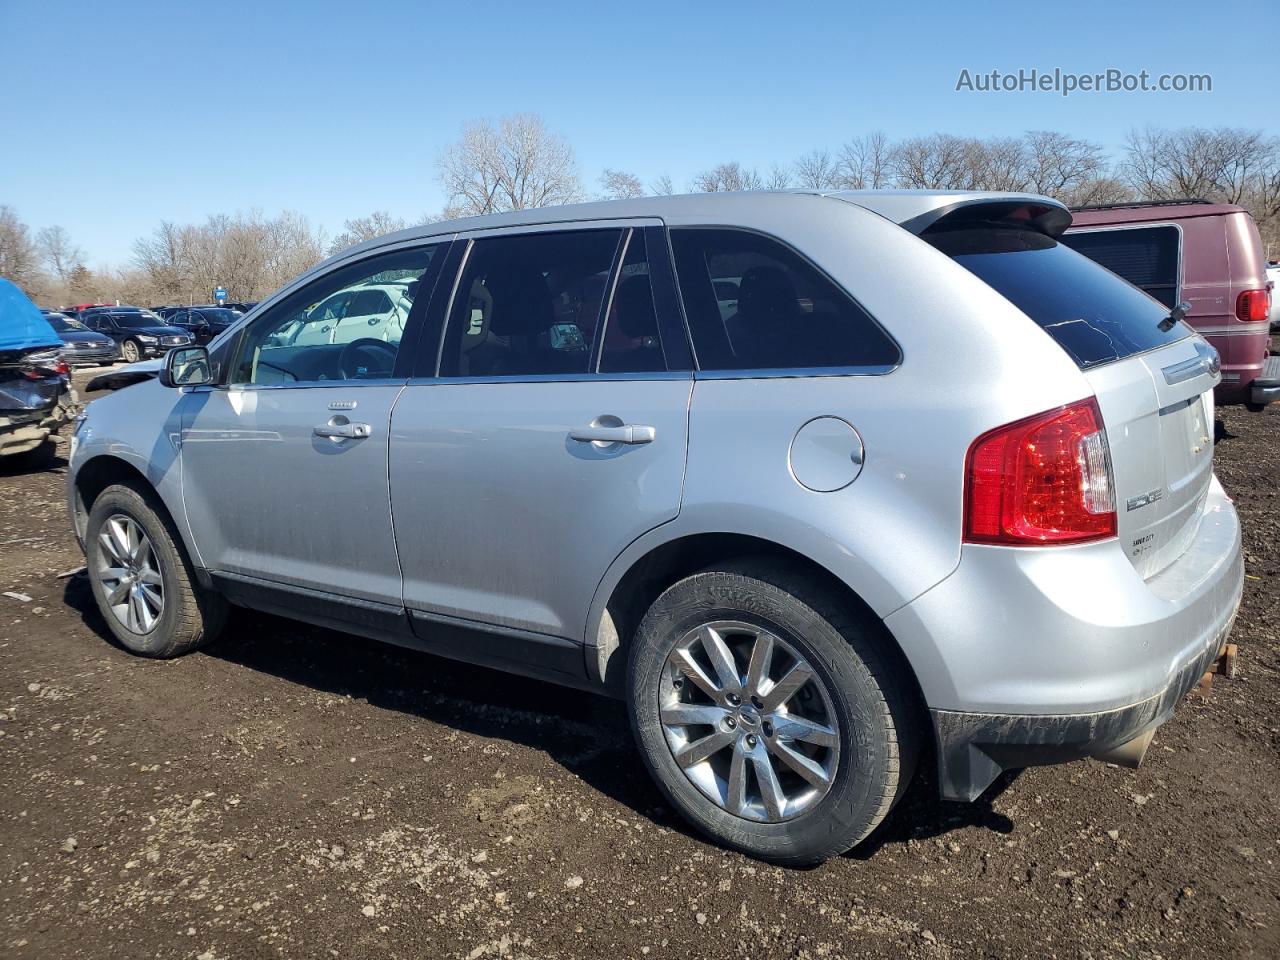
(130, 351)
(770, 712)
(765, 745)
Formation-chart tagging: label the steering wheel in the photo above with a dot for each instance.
(347, 358)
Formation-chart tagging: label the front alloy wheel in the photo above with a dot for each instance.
(129, 573)
(129, 350)
(749, 722)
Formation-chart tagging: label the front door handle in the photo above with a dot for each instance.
(627, 433)
(344, 431)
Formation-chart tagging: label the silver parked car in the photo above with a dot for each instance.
(818, 484)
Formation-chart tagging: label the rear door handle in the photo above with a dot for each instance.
(627, 433)
(344, 431)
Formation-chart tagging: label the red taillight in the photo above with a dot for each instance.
(1253, 306)
(1042, 480)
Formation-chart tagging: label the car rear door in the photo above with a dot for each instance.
(545, 434)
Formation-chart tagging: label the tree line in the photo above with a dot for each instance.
(518, 162)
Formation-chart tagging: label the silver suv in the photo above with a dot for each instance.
(817, 484)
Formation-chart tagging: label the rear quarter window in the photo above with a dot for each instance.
(754, 303)
(1094, 315)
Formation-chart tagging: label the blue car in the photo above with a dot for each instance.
(36, 398)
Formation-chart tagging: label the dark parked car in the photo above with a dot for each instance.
(80, 345)
(138, 333)
(203, 323)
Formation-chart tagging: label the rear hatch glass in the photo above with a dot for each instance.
(1095, 316)
(1154, 387)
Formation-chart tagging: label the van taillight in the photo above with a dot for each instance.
(1253, 306)
(1045, 480)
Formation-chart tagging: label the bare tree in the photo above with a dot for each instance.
(662, 186)
(60, 254)
(619, 185)
(513, 165)
(818, 170)
(1061, 166)
(725, 177)
(247, 253)
(866, 163)
(779, 178)
(19, 259)
(357, 230)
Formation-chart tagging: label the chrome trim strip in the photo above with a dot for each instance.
(871, 370)
(555, 378)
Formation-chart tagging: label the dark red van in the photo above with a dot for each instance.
(1206, 254)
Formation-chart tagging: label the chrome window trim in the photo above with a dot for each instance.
(556, 378)
(302, 385)
(869, 370)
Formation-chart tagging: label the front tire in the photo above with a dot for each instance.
(768, 712)
(142, 580)
(130, 351)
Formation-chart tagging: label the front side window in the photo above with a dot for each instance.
(1145, 256)
(529, 304)
(307, 337)
(755, 304)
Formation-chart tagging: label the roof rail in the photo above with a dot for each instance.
(1138, 204)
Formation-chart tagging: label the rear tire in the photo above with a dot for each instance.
(142, 580)
(854, 721)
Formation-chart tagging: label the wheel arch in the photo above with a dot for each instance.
(106, 469)
(638, 577)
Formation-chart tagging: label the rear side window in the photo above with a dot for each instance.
(1095, 316)
(529, 304)
(755, 304)
(1145, 256)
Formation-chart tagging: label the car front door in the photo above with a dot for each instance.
(284, 466)
(551, 435)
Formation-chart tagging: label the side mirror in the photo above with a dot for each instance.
(186, 367)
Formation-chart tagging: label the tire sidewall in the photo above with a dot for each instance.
(854, 804)
(124, 348)
(158, 641)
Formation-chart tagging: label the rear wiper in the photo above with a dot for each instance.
(1176, 314)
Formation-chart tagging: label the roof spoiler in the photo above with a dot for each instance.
(1039, 214)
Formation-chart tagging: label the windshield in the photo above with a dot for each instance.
(1094, 315)
(64, 324)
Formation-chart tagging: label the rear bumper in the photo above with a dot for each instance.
(1034, 656)
(1266, 389)
(975, 748)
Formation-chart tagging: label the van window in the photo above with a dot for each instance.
(755, 304)
(1145, 256)
(529, 304)
(1095, 316)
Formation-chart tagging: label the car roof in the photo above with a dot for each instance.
(912, 209)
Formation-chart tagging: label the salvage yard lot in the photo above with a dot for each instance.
(294, 792)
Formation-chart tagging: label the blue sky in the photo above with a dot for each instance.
(119, 115)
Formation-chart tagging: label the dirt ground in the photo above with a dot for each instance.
(294, 792)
